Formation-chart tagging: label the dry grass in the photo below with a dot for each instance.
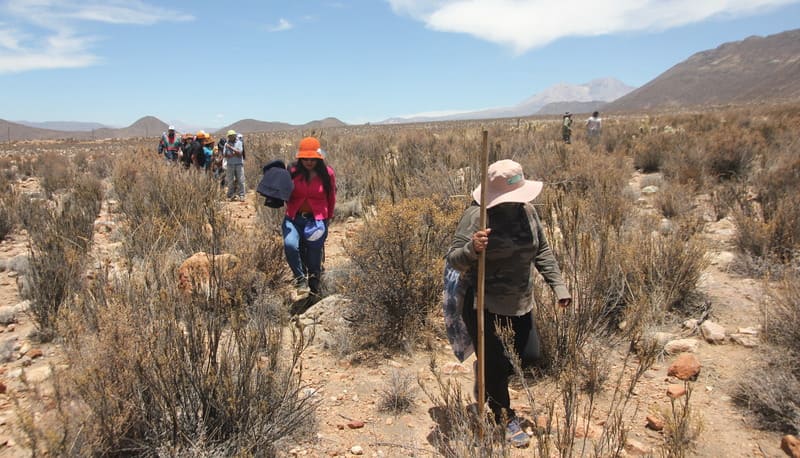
(222, 374)
(392, 285)
(773, 391)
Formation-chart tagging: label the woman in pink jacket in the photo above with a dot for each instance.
(308, 213)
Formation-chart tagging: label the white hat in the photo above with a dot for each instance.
(507, 183)
(171, 128)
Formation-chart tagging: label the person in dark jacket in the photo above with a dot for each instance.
(514, 242)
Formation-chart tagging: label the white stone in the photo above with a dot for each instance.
(650, 189)
(356, 450)
(712, 332)
(681, 346)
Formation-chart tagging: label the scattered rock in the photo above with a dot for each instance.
(8, 315)
(356, 450)
(35, 353)
(38, 374)
(676, 391)
(745, 340)
(660, 339)
(655, 423)
(195, 272)
(355, 424)
(636, 448)
(691, 324)
(724, 227)
(7, 350)
(791, 445)
(685, 367)
(723, 259)
(751, 331)
(712, 332)
(681, 346)
(3, 388)
(648, 190)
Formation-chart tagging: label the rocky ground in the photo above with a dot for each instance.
(349, 393)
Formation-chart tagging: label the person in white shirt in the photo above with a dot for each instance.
(594, 126)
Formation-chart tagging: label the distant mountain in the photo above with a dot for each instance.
(254, 125)
(148, 126)
(67, 126)
(756, 69)
(573, 107)
(597, 90)
(12, 131)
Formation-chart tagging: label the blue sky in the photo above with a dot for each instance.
(208, 63)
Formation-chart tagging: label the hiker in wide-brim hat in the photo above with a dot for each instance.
(514, 242)
(309, 212)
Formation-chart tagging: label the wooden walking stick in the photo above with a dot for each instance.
(481, 375)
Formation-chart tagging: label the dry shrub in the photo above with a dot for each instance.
(60, 238)
(395, 257)
(673, 200)
(731, 152)
(653, 150)
(165, 207)
(459, 431)
(628, 275)
(768, 226)
(773, 391)
(8, 208)
(56, 172)
(152, 372)
(398, 395)
(682, 426)
(769, 242)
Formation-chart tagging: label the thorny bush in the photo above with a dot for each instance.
(396, 255)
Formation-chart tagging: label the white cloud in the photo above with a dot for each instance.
(528, 24)
(282, 25)
(44, 34)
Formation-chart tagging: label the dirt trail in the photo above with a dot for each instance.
(352, 392)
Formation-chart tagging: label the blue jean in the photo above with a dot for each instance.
(304, 260)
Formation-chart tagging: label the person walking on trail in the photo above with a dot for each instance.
(566, 128)
(170, 144)
(208, 153)
(594, 126)
(514, 241)
(183, 155)
(234, 172)
(309, 212)
(196, 155)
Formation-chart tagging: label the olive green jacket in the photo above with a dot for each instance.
(513, 249)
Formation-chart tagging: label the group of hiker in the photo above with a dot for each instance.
(594, 127)
(512, 245)
(224, 159)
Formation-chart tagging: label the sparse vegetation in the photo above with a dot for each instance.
(152, 370)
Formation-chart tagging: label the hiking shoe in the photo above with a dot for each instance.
(301, 287)
(515, 435)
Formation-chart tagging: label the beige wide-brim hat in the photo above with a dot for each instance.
(507, 183)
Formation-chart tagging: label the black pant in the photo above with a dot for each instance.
(498, 367)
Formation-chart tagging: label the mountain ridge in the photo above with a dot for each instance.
(755, 69)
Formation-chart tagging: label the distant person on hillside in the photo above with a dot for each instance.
(594, 126)
(234, 174)
(170, 144)
(566, 128)
(309, 211)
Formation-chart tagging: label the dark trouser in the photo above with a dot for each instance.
(498, 367)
